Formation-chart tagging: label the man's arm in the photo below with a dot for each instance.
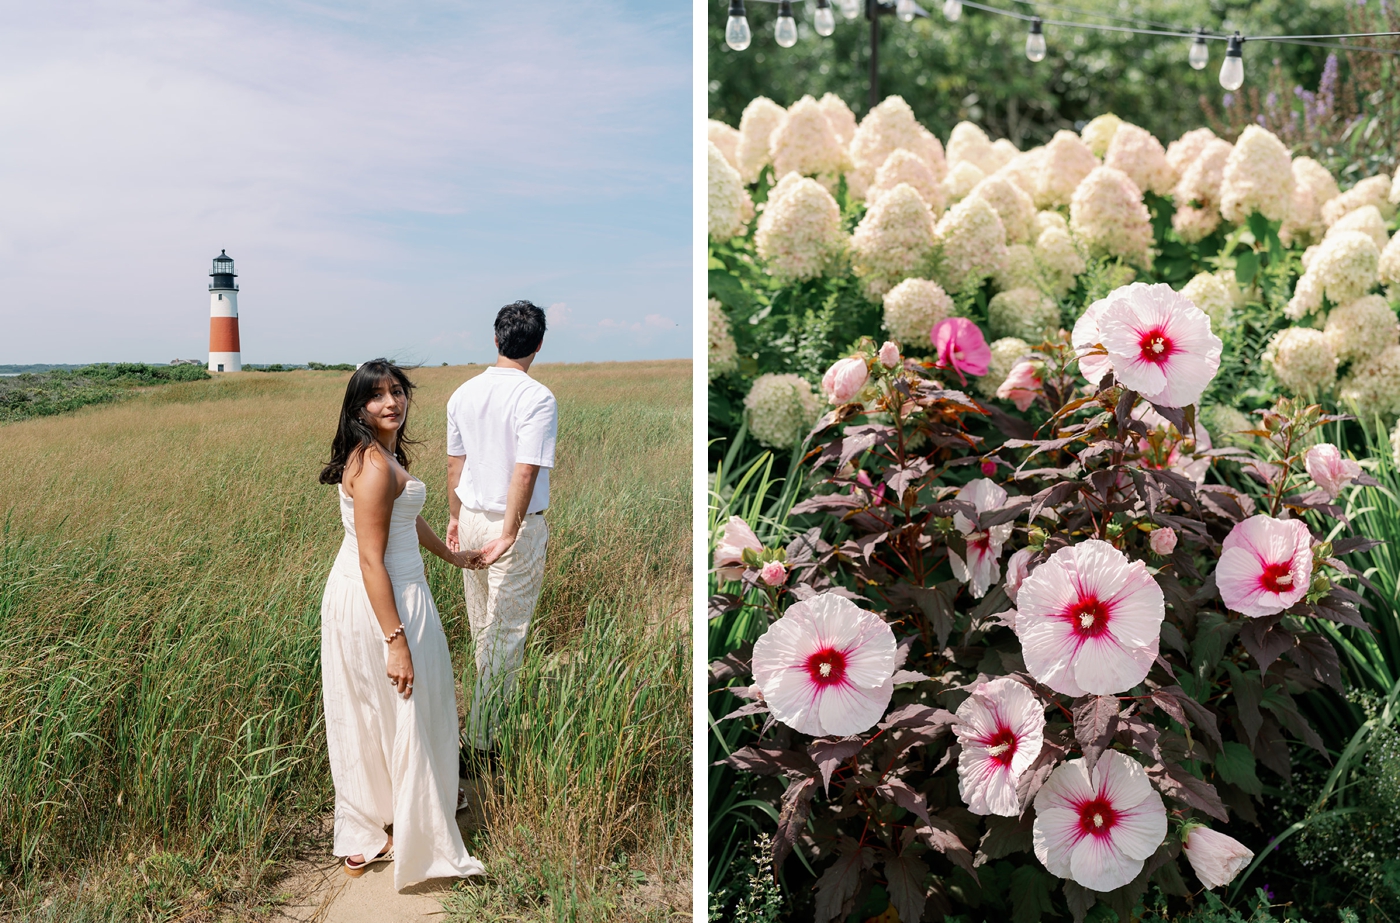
(454, 502)
(522, 488)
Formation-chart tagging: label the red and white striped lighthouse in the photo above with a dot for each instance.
(223, 317)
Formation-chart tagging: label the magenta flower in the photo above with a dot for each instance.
(729, 553)
(1021, 386)
(959, 345)
(1265, 565)
(1159, 343)
(1215, 857)
(1001, 727)
(844, 379)
(1093, 363)
(1098, 827)
(1088, 620)
(773, 573)
(1328, 469)
(982, 567)
(889, 355)
(876, 491)
(824, 668)
(1162, 541)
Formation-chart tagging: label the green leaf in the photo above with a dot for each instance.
(1247, 264)
(1236, 766)
(1030, 894)
(1258, 226)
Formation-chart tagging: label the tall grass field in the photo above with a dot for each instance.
(162, 751)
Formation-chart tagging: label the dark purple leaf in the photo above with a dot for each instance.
(908, 676)
(720, 603)
(1176, 416)
(1175, 782)
(898, 791)
(941, 835)
(743, 711)
(792, 816)
(822, 502)
(905, 881)
(1265, 640)
(732, 665)
(836, 888)
(1247, 692)
(828, 754)
(1004, 836)
(1080, 899)
(1278, 701)
(769, 761)
(1316, 655)
(1094, 719)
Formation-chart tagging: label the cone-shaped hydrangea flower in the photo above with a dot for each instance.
(1023, 312)
(886, 128)
(1058, 259)
(1366, 219)
(729, 203)
(799, 234)
(723, 353)
(972, 242)
(968, 143)
(761, 117)
(804, 142)
(1061, 167)
(1197, 193)
(1344, 267)
(1013, 206)
(1098, 133)
(726, 139)
(1258, 178)
(1388, 267)
(905, 167)
(912, 308)
(1208, 292)
(824, 668)
(1265, 565)
(1313, 187)
(844, 379)
(1023, 170)
(958, 345)
(1098, 827)
(982, 568)
(1001, 727)
(1088, 620)
(1160, 344)
(1374, 385)
(1138, 153)
(893, 241)
(1215, 857)
(729, 553)
(1107, 213)
(1184, 150)
(781, 408)
(960, 181)
(1301, 359)
(1360, 329)
(842, 119)
(1374, 190)
(1019, 270)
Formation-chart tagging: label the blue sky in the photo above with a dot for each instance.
(386, 176)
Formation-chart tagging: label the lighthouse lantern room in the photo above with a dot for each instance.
(223, 317)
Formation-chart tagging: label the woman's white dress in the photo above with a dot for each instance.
(394, 761)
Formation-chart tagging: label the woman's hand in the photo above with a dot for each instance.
(466, 559)
(400, 666)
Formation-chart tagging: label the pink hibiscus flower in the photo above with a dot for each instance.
(844, 379)
(1098, 827)
(1159, 343)
(959, 345)
(982, 567)
(1021, 386)
(1328, 469)
(1216, 858)
(1001, 727)
(773, 573)
(1093, 363)
(889, 354)
(1265, 565)
(1089, 620)
(825, 666)
(729, 553)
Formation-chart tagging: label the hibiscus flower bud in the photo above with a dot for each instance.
(889, 355)
(1215, 857)
(844, 379)
(773, 573)
(1163, 541)
(729, 552)
(989, 467)
(1328, 469)
(1017, 567)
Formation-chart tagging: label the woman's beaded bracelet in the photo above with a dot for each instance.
(397, 631)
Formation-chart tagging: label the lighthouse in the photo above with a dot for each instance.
(223, 317)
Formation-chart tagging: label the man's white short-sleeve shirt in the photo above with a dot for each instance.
(498, 419)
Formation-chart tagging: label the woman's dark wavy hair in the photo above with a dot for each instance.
(353, 435)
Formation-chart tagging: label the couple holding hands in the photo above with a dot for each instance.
(390, 695)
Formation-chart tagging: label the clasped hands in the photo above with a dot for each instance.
(480, 559)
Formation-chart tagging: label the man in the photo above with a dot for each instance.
(501, 428)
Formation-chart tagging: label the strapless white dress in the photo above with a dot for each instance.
(394, 761)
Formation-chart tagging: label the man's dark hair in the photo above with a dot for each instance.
(519, 329)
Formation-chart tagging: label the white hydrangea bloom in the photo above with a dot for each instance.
(726, 138)
(1374, 385)
(1019, 270)
(972, 244)
(912, 308)
(1050, 219)
(1388, 269)
(960, 181)
(729, 202)
(1003, 152)
(906, 167)
(1362, 328)
(1227, 426)
(1366, 219)
(1209, 293)
(886, 128)
(799, 234)
(1301, 360)
(1313, 187)
(842, 119)
(1098, 134)
(724, 355)
(1194, 224)
(1232, 285)
(1258, 178)
(1024, 313)
(1059, 259)
(1395, 190)
(1139, 154)
(1182, 152)
(761, 117)
(1063, 165)
(1108, 215)
(782, 409)
(804, 142)
(1344, 268)
(1308, 256)
(1006, 352)
(893, 241)
(1013, 206)
(969, 144)
(1374, 190)
(1200, 184)
(1023, 169)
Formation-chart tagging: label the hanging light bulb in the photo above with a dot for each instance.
(824, 20)
(904, 9)
(952, 10)
(1232, 71)
(850, 8)
(1199, 56)
(785, 29)
(1035, 41)
(736, 31)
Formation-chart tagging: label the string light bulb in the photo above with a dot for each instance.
(952, 10)
(1199, 55)
(850, 8)
(1035, 41)
(905, 10)
(785, 29)
(1232, 71)
(824, 20)
(736, 31)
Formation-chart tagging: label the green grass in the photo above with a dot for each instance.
(55, 391)
(161, 568)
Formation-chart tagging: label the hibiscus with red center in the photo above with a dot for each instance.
(1001, 727)
(1265, 565)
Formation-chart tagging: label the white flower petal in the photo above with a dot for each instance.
(1098, 866)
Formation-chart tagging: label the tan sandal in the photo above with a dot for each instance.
(355, 871)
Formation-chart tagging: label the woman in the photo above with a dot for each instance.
(390, 698)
